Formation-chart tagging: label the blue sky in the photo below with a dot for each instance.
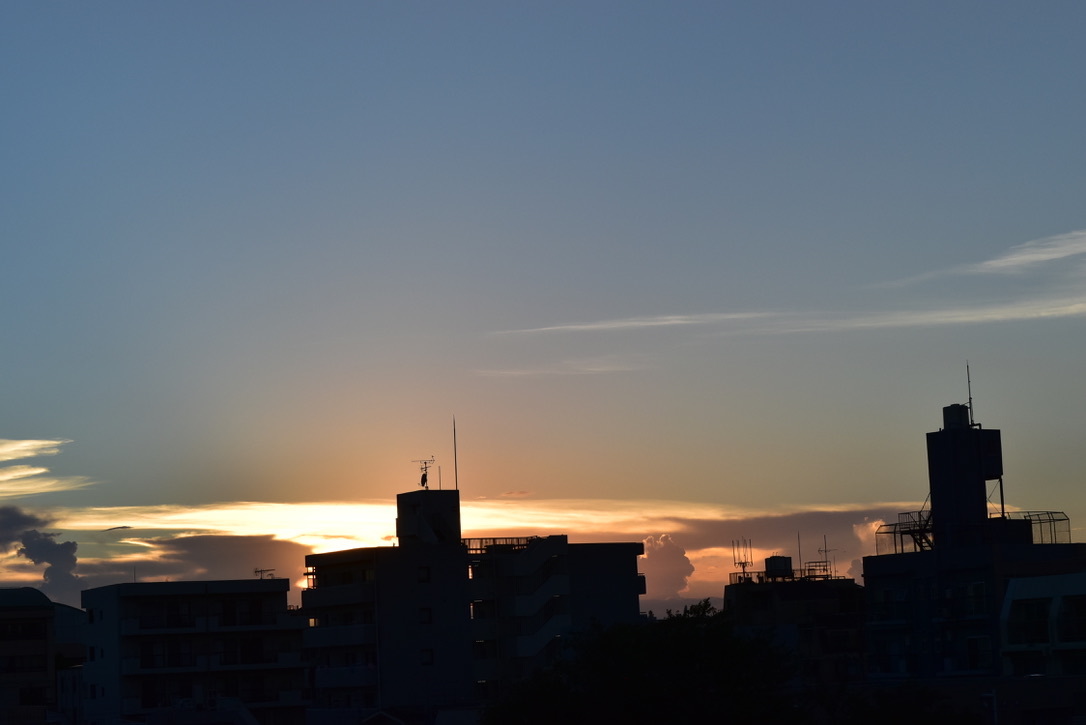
(728, 256)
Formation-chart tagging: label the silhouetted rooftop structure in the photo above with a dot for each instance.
(936, 588)
(441, 623)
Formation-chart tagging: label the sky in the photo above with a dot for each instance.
(686, 274)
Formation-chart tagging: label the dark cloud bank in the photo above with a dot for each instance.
(18, 527)
(166, 558)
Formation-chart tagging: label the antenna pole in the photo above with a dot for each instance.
(969, 387)
(456, 472)
(799, 548)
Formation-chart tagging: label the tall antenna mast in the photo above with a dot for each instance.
(969, 387)
(456, 472)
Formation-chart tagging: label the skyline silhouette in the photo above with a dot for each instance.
(682, 275)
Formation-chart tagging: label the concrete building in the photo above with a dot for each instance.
(937, 588)
(193, 652)
(1043, 629)
(529, 593)
(37, 639)
(437, 624)
(809, 612)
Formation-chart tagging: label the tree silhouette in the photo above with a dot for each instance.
(688, 665)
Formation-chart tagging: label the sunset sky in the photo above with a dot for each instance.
(683, 273)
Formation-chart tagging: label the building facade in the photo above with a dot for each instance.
(438, 624)
(30, 653)
(192, 652)
(809, 612)
(936, 590)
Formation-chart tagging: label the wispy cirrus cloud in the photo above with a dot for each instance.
(18, 481)
(1027, 309)
(1039, 308)
(1047, 299)
(14, 450)
(588, 366)
(1033, 255)
(25, 480)
(640, 323)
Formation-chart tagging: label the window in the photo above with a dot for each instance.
(1072, 624)
(483, 609)
(1027, 622)
(424, 574)
(978, 652)
(484, 649)
(426, 615)
(426, 657)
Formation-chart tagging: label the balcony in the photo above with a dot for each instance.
(162, 625)
(162, 664)
(346, 636)
(528, 604)
(247, 621)
(337, 677)
(532, 644)
(338, 596)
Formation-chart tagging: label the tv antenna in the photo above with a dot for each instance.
(741, 555)
(264, 573)
(825, 552)
(424, 467)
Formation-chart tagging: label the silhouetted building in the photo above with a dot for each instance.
(37, 640)
(946, 589)
(1044, 626)
(193, 652)
(529, 593)
(439, 623)
(810, 612)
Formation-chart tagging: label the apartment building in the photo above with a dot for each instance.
(193, 652)
(30, 652)
(936, 588)
(438, 624)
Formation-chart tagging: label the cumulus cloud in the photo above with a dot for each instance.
(865, 532)
(666, 567)
(14, 521)
(59, 580)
